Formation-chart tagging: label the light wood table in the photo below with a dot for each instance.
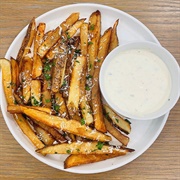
(162, 159)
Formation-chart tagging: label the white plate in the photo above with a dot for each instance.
(143, 134)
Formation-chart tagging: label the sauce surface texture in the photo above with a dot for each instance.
(138, 82)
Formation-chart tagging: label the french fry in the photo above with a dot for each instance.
(74, 91)
(117, 134)
(95, 24)
(73, 29)
(62, 109)
(59, 67)
(49, 42)
(73, 45)
(27, 42)
(19, 109)
(93, 147)
(26, 79)
(37, 63)
(117, 120)
(27, 130)
(84, 38)
(55, 134)
(43, 135)
(15, 74)
(46, 98)
(70, 126)
(96, 96)
(69, 21)
(114, 42)
(7, 80)
(35, 92)
(80, 159)
(94, 31)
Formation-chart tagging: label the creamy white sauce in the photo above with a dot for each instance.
(138, 82)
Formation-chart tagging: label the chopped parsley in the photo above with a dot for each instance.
(47, 77)
(35, 101)
(87, 88)
(56, 107)
(117, 120)
(90, 42)
(82, 121)
(68, 151)
(91, 27)
(99, 145)
(48, 100)
(88, 76)
(47, 67)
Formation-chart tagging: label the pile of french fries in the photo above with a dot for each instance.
(52, 90)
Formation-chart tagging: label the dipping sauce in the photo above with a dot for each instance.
(137, 82)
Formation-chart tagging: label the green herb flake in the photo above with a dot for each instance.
(90, 42)
(99, 145)
(91, 27)
(77, 61)
(107, 115)
(88, 76)
(35, 101)
(47, 67)
(56, 107)
(117, 120)
(68, 151)
(48, 100)
(47, 77)
(87, 88)
(78, 51)
(82, 121)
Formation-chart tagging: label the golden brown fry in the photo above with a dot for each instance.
(6, 80)
(84, 38)
(27, 42)
(94, 31)
(95, 25)
(63, 112)
(69, 21)
(37, 63)
(27, 130)
(93, 147)
(14, 74)
(70, 126)
(117, 120)
(49, 42)
(73, 29)
(96, 96)
(43, 135)
(73, 45)
(35, 92)
(19, 109)
(114, 42)
(26, 79)
(46, 98)
(92, 51)
(59, 67)
(117, 134)
(80, 159)
(55, 134)
(74, 91)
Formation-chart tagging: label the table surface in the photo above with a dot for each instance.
(162, 159)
